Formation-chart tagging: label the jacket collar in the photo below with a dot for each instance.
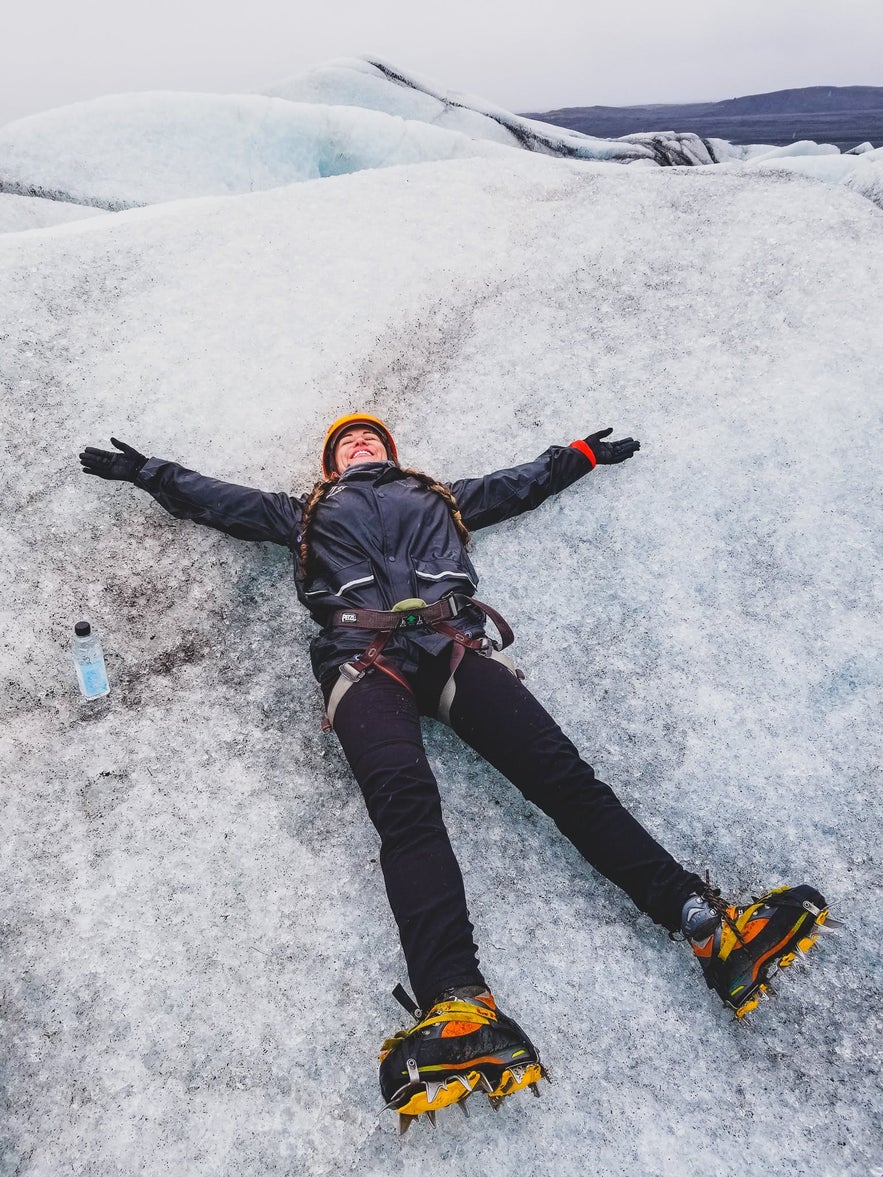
(378, 472)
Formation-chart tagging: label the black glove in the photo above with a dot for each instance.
(607, 453)
(121, 467)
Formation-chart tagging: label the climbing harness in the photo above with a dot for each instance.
(414, 614)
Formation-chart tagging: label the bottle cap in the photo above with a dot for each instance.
(82, 629)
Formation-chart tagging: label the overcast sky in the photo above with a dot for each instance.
(521, 56)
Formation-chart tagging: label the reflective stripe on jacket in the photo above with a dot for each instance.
(377, 537)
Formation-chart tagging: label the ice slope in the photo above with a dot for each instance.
(380, 85)
(34, 212)
(125, 150)
(197, 951)
(133, 149)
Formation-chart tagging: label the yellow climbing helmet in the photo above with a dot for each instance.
(348, 422)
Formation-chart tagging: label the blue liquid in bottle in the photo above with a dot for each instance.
(89, 662)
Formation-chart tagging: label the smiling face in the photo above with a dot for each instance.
(361, 443)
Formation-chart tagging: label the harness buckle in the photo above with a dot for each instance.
(456, 602)
(348, 670)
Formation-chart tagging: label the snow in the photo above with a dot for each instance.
(199, 955)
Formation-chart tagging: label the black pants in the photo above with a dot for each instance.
(378, 725)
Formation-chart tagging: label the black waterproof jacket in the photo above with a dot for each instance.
(377, 537)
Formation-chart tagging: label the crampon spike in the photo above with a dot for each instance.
(740, 1017)
(461, 1104)
(535, 1089)
(461, 1047)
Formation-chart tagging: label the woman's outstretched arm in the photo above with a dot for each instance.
(240, 511)
(507, 493)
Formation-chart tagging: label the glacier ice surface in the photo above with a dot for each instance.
(133, 149)
(347, 115)
(18, 213)
(197, 948)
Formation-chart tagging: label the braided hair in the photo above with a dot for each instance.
(314, 498)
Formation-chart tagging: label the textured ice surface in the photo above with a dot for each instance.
(862, 173)
(353, 81)
(350, 114)
(197, 950)
(33, 212)
(379, 85)
(133, 149)
(130, 149)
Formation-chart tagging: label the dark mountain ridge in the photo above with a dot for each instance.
(843, 115)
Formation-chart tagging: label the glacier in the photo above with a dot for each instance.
(128, 150)
(197, 951)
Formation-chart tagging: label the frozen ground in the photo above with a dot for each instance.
(197, 952)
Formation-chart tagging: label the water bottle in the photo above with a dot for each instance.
(89, 662)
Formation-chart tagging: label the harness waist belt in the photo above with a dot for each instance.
(409, 615)
(380, 619)
(433, 616)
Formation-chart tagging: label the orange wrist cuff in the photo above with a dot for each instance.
(585, 451)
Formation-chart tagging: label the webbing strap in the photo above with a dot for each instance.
(435, 616)
(354, 670)
(507, 637)
(338, 691)
(454, 1011)
(446, 698)
(382, 620)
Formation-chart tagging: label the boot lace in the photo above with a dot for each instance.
(712, 896)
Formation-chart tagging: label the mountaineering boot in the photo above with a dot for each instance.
(740, 948)
(462, 1045)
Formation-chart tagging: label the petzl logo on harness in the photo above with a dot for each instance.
(345, 617)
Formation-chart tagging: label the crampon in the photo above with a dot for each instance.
(461, 1046)
(751, 944)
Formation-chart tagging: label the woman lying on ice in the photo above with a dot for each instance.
(382, 565)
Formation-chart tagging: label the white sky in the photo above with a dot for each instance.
(521, 56)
